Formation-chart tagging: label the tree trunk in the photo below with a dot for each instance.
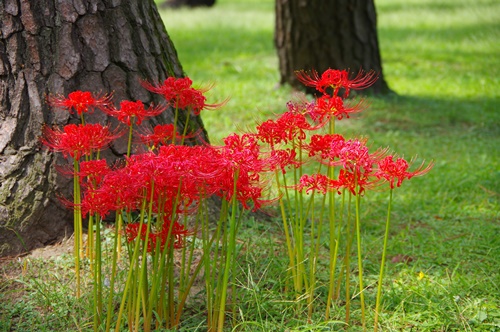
(56, 47)
(187, 3)
(335, 34)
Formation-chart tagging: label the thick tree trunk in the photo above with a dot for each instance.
(56, 47)
(335, 34)
(188, 3)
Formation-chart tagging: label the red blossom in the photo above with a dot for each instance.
(337, 79)
(126, 189)
(132, 112)
(78, 140)
(392, 170)
(289, 126)
(355, 182)
(181, 95)
(98, 202)
(293, 126)
(283, 158)
(80, 101)
(270, 132)
(322, 145)
(161, 135)
(94, 171)
(316, 182)
(327, 107)
(240, 155)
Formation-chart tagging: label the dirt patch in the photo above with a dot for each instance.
(55, 250)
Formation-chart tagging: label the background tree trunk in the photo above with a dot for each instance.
(335, 34)
(187, 3)
(56, 47)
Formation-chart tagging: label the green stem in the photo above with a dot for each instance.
(291, 256)
(129, 143)
(143, 283)
(347, 262)
(382, 264)
(77, 219)
(360, 262)
(186, 125)
(333, 244)
(312, 259)
(229, 254)
(176, 118)
(129, 280)
(112, 278)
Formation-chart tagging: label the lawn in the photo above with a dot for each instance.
(441, 59)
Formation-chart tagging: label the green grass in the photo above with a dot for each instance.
(441, 59)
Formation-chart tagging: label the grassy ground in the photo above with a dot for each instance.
(441, 59)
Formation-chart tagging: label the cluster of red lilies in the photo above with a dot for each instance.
(173, 179)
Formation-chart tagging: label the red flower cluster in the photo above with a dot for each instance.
(79, 140)
(161, 135)
(133, 112)
(392, 170)
(174, 179)
(180, 94)
(80, 101)
(337, 79)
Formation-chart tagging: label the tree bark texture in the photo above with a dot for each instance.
(337, 34)
(56, 47)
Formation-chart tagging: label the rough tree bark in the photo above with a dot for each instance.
(335, 34)
(56, 47)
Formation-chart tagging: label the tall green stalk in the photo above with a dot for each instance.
(131, 271)
(77, 220)
(360, 262)
(333, 242)
(229, 254)
(186, 126)
(382, 263)
(347, 263)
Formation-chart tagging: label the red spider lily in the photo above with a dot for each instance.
(161, 135)
(98, 202)
(78, 140)
(353, 155)
(355, 182)
(290, 125)
(81, 101)
(293, 126)
(327, 107)
(316, 182)
(240, 154)
(283, 158)
(124, 187)
(323, 144)
(390, 170)
(94, 171)
(337, 79)
(270, 132)
(181, 95)
(176, 173)
(242, 149)
(132, 112)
